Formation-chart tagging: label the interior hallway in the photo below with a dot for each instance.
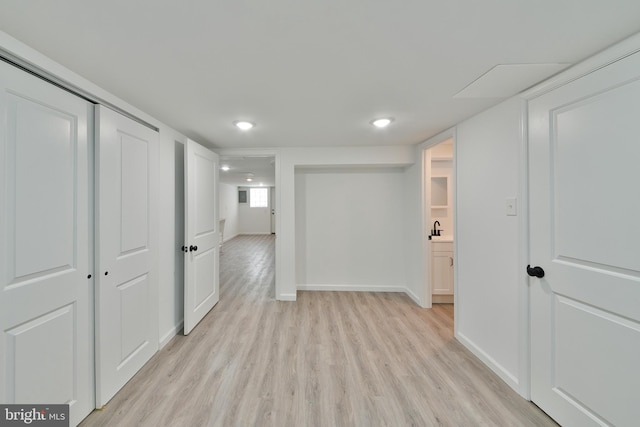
(329, 359)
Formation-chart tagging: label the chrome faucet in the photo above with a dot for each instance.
(435, 231)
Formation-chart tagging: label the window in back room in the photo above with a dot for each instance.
(258, 197)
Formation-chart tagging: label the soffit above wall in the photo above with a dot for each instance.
(506, 80)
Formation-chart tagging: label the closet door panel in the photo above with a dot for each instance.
(127, 306)
(46, 246)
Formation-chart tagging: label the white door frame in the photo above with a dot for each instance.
(522, 198)
(425, 204)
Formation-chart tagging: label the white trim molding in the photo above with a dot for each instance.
(287, 297)
(164, 340)
(353, 288)
(499, 370)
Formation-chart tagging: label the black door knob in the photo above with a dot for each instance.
(535, 271)
(184, 249)
(193, 248)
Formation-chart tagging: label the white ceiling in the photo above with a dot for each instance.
(260, 169)
(310, 73)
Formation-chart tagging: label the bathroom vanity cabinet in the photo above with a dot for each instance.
(442, 268)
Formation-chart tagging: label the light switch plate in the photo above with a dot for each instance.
(512, 206)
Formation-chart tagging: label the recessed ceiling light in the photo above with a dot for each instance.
(243, 125)
(381, 123)
(249, 179)
(225, 168)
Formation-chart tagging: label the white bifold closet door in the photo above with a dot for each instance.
(126, 242)
(46, 247)
(202, 234)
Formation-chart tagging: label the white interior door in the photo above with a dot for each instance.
(46, 248)
(201, 282)
(585, 234)
(127, 303)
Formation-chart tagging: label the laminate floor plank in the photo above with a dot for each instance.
(328, 359)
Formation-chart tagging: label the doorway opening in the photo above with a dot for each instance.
(440, 219)
(439, 188)
(247, 197)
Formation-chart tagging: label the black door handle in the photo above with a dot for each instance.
(193, 248)
(535, 271)
(184, 249)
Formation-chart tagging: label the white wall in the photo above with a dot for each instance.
(491, 248)
(253, 220)
(487, 240)
(413, 231)
(349, 228)
(171, 219)
(228, 199)
(286, 162)
(169, 291)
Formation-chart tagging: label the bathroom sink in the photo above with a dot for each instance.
(443, 238)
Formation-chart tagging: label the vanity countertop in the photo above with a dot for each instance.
(444, 238)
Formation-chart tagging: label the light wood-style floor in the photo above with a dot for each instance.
(329, 359)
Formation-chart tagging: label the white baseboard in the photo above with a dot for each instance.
(504, 375)
(229, 238)
(442, 299)
(226, 239)
(361, 288)
(164, 340)
(413, 296)
(352, 288)
(287, 297)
